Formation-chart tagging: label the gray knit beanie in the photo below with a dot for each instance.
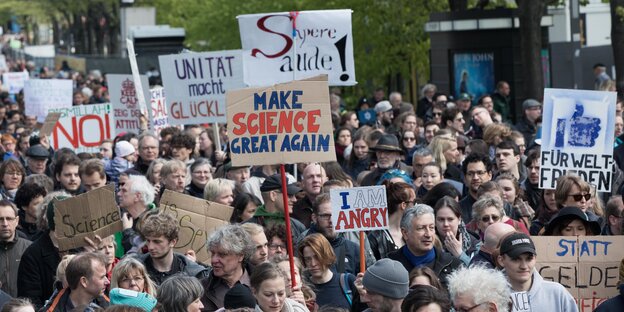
(388, 278)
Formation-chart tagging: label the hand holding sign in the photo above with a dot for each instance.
(583, 130)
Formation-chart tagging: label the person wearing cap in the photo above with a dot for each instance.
(385, 285)
(385, 115)
(124, 160)
(314, 177)
(532, 109)
(239, 175)
(502, 100)
(572, 221)
(479, 289)
(388, 154)
(517, 257)
(464, 103)
(37, 160)
(272, 212)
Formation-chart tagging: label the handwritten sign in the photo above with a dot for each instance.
(49, 123)
(196, 84)
(577, 137)
(323, 45)
(82, 128)
(286, 123)
(158, 105)
(15, 81)
(197, 220)
(123, 97)
(41, 95)
(359, 209)
(86, 215)
(586, 266)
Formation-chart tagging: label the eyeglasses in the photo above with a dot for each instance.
(277, 246)
(136, 280)
(324, 216)
(579, 197)
(487, 218)
(409, 139)
(469, 309)
(475, 173)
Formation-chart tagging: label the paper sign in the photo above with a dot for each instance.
(286, 123)
(3, 63)
(158, 104)
(577, 137)
(83, 128)
(41, 95)
(520, 302)
(123, 97)
(586, 266)
(86, 215)
(15, 81)
(359, 209)
(196, 84)
(49, 123)
(323, 44)
(197, 219)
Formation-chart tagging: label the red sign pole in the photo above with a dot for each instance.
(289, 241)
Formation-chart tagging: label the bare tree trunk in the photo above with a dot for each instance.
(530, 13)
(617, 42)
(458, 5)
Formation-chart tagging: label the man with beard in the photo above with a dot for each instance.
(477, 170)
(385, 116)
(388, 155)
(347, 252)
(11, 247)
(160, 232)
(313, 179)
(66, 174)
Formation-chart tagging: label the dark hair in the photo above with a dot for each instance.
(422, 296)
(12, 164)
(440, 190)
(334, 171)
(533, 155)
(183, 140)
(396, 194)
(27, 192)
(478, 146)
(475, 158)
(240, 204)
(82, 265)
(276, 229)
(429, 273)
(91, 166)
(169, 131)
(448, 202)
(509, 144)
(482, 97)
(67, 160)
(449, 115)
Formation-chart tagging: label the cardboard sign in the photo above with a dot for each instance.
(41, 95)
(359, 209)
(15, 81)
(323, 44)
(83, 128)
(196, 84)
(49, 123)
(588, 267)
(197, 219)
(158, 105)
(86, 215)
(286, 123)
(123, 97)
(577, 137)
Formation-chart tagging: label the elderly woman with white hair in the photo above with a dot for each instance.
(220, 191)
(479, 289)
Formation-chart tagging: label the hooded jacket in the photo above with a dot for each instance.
(549, 296)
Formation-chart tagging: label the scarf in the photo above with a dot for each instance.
(417, 261)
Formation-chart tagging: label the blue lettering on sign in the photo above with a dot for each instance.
(586, 248)
(278, 100)
(344, 196)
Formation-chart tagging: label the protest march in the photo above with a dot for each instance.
(253, 179)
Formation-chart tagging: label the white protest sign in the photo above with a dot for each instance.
(577, 137)
(123, 97)
(158, 105)
(41, 95)
(196, 85)
(3, 63)
(15, 81)
(520, 302)
(141, 96)
(323, 45)
(359, 208)
(82, 128)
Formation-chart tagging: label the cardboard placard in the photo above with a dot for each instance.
(86, 215)
(587, 266)
(197, 219)
(285, 123)
(359, 209)
(41, 95)
(577, 137)
(15, 81)
(49, 123)
(323, 44)
(125, 103)
(83, 128)
(196, 84)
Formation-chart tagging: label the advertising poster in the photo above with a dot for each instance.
(473, 73)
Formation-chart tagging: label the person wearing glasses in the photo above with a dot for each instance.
(572, 191)
(518, 258)
(12, 173)
(130, 273)
(477, 169)
(487, 211)
(478, 289)
(12, 249)
(481, 118)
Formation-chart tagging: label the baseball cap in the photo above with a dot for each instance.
(274, 182)
(383, 107)
(516, 244)
(528, 103)
(463, 97)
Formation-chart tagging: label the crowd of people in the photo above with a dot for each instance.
(462, 187)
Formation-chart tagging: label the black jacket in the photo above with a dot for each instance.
(59, 302)
(443, 265)
(37, 270)
(615, 304)
(181, 264)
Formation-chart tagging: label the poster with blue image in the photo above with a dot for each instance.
(473, 73)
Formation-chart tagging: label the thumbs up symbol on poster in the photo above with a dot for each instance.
(583, 130)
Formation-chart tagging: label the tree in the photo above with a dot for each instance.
(530, 13)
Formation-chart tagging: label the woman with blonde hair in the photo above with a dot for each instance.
(130, 273)
(494, 134)
(446, 154)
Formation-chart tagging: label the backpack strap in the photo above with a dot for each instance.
(346, 290)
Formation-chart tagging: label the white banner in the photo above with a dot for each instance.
(577, 137)
(41, 95)
(125, 102)
(83, 128)
(158, 102)
(15, 81)
(323, 44)
(196, 83)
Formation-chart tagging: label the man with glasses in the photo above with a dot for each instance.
(418, 230)
(477, 169)
(12, 247)
(148, 151)
(481, 118)
(478, 289)
(453, 119)
(532, 110)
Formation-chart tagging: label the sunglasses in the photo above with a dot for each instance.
(494, 218)
(437, 114)
(409, 139)
(579, 197)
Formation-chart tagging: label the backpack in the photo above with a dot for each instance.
(346, 289)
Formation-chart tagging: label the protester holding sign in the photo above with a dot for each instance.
(400, 196)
